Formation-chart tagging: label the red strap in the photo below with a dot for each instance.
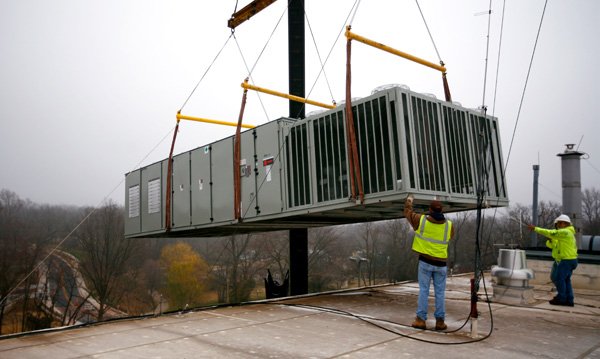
(169, 181)
(355, 177)
(237, 187)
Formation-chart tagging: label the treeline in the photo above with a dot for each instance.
(65, 265)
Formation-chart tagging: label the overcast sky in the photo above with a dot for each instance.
(89, 88)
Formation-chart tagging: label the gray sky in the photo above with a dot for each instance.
(89, 88)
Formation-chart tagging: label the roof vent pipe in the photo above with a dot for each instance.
(534, 210)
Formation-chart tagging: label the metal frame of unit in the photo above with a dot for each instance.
(295, 173)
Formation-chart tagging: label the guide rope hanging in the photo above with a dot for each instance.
(253, 199)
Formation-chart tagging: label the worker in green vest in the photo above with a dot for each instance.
(562, 241)
(432, 234)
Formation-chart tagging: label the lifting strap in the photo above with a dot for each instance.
(237, 176)
(352, 36)
(169, 190)
(355, 176)
(445, 84)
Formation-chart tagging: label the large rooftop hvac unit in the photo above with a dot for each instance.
(295, 173)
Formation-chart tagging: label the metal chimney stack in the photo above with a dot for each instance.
(571, 186)
(534, 207)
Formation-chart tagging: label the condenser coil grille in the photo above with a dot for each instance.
(331, 166)
(428, 145)
(487, 155)
(460, 159)
(373, 141)
(298, 166)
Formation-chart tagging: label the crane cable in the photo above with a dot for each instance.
(94, 209)
(237, 185)
(169, 189)
(276, 158)
(483, 176)
(488, 242)
(206, 71)
(251, 70)
(353, 8)
(445, 85)
(522, 94)
(322, 70)
(478, 251)
(525, 86)
(429, 32)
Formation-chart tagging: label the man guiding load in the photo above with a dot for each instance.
(562, 241)
(432, 234)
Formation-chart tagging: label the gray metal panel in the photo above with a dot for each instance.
(133, 203)
(399, 154)
(248, 174)
(181, 191)
(406, 140)
(201, 185)
(269, 161)
(152, 197)
(222, 178)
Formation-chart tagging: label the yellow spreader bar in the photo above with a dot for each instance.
(216, 122)
(352, 36)
(248, 86)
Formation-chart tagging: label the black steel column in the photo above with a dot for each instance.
(298, 261)
(296, 56)
(298, 237)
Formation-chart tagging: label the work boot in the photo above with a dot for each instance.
(440, 325)
(555, 301)
(419, 323)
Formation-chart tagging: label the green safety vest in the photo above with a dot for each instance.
(561, 241)
(432, 238)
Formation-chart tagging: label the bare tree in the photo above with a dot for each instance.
(20, 250)
(104, 257)
(591, 211)
(401, 261)
(236, 268)
(367, 257)
(275, 246)
(548, 211)
(326, 259)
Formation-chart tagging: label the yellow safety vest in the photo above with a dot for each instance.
(432, 238)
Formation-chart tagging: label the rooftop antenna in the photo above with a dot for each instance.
(579, 144)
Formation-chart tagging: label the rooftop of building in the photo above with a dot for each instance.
(359, 323)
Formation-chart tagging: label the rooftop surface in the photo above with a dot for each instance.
(362, 323)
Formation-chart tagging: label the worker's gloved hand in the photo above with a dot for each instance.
(409, 200)
(531, 227)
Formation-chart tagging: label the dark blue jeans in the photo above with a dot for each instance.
(561, 277)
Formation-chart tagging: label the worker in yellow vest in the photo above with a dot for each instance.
(562, 241)
(432, 234)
